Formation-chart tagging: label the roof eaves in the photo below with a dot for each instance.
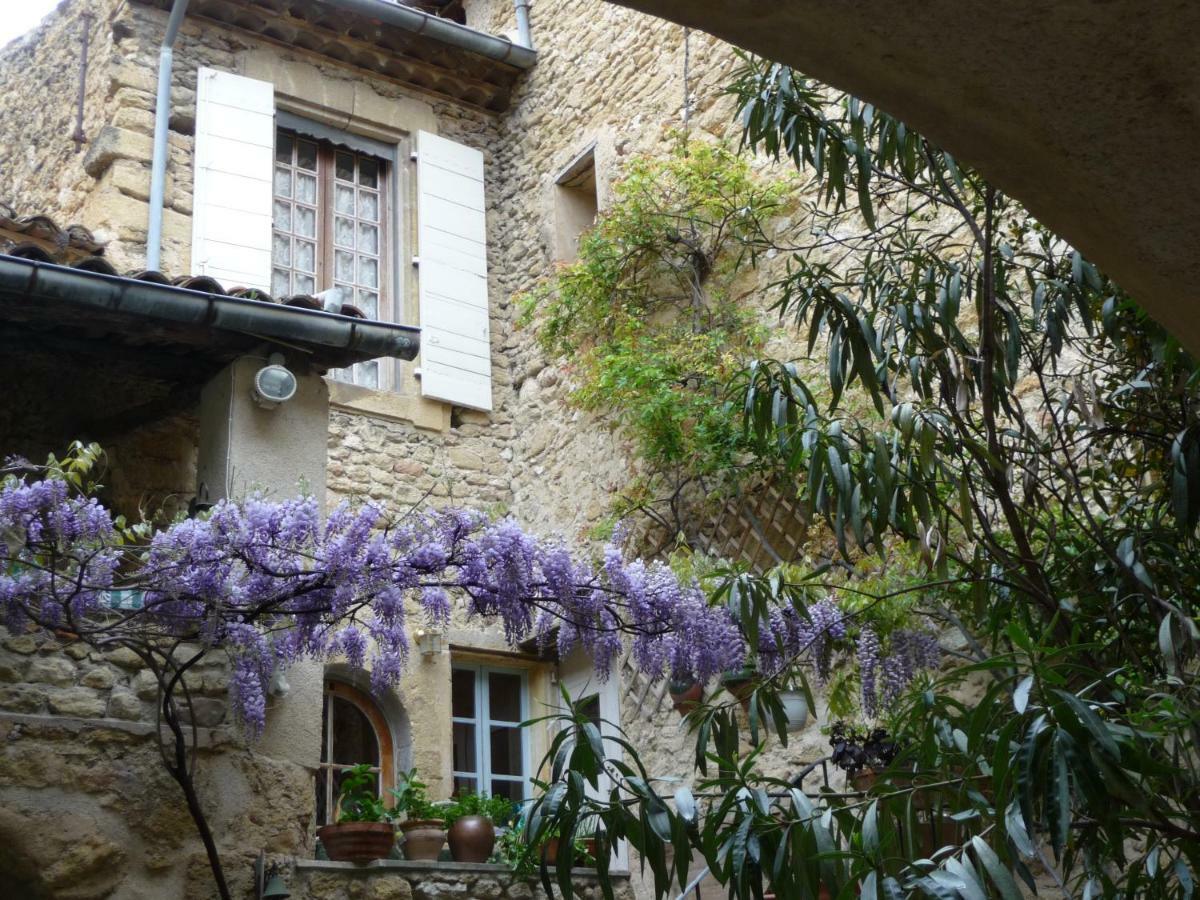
(323, 334)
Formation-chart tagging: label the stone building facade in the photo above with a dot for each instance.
(85, 810)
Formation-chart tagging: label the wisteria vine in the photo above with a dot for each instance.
(271, 583)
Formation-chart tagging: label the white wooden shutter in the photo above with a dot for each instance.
(231, 200)
(456, 355)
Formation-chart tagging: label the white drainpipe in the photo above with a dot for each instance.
(162, 119)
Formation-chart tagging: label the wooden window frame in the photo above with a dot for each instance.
(383, 736)
(482, 721)
(389, 306)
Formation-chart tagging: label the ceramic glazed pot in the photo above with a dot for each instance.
(423, 838)
(472, 839)
(358, 842)
(796, 709)
(686, 697)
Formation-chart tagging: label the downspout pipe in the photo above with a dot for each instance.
(162, 120)
(524, 36)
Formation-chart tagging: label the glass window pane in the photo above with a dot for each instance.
(354, 739)
(368, 271)
(343, 199)
(344, 166)
(368, 172)
(306, 222)
(464, 748)
(283, 215)
(343, 231)
(281, 250)
(305, 284)
(306, 188)
(283, 182)
(306, 256)
(283, 147)
(504, 697)
(368, 238)
(368, 302)
(368, 206)
(513, 790)
(462, 693)
(343, 266)
(306, 155)
(280, 283)
(464, 785)
(506, 750)
(367, 374)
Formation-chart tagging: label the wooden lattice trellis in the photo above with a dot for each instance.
(760, 527)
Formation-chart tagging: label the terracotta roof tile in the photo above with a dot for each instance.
(38, 237)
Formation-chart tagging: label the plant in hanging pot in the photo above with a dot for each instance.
(794, 701)
(686, 694)
(471, 821)
(861, 754)
(364, 830)
(740, 683)
(583, 846)
(423, 827)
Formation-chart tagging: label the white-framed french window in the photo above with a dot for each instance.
(234, 227)
(491, 749)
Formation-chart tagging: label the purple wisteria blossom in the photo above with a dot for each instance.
(270, 583)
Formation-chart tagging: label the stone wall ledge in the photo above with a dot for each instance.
(438, 867)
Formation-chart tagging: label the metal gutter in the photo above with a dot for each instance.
(47, 283)
(162, 119)
(444, 30)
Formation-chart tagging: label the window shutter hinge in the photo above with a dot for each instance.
(413, 156)
(416, 260)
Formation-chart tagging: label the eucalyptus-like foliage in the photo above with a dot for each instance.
(976, 388)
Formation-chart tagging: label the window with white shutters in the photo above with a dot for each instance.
(231, 205)
(456, 360)
(293, 207)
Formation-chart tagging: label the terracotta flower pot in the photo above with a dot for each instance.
(687, 698)
(472, 839)
(423, 838)
(740, 683)
(358, 842)
(862, 780)
(549, 850)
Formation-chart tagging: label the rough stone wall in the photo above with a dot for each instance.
(41, 168)
(604, 75)
(387, 880)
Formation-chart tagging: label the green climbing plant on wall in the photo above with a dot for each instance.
(652, 319)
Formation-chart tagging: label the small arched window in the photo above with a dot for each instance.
(353, 731)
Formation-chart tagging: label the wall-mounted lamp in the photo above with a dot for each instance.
(274, 383)
(429, 640)
(268, 881)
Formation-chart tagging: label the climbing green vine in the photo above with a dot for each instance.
(651, 318)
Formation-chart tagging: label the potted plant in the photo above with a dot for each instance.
(795, 707)
(364, 830)
(583, 847)
(861, 754)
(686, 694)
(471, 821)
(740, 683)
(423, 826)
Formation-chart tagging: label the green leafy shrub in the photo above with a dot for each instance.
(411, 798)
(359, 800)
(652, 321)
(498, 810)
